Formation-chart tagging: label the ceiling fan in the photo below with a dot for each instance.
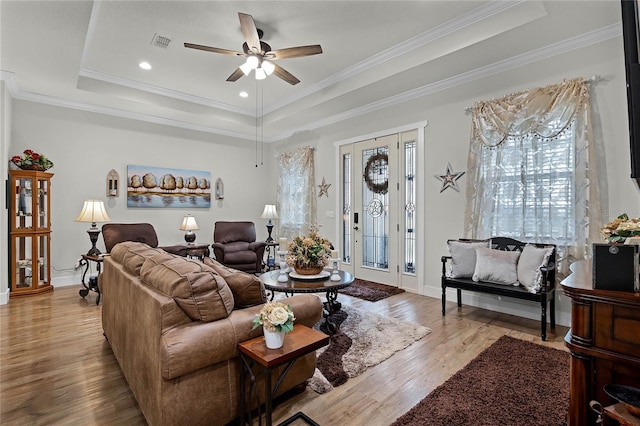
(259, 55)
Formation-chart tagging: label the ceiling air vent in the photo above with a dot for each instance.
(160, 41)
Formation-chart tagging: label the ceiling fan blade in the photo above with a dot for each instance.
(249, 31)
(213, 49)
(285, 75)
(235, 75)
(296, 52)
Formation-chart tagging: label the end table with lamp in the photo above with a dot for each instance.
(93, 211)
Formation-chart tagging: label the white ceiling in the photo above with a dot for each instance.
(85, 55)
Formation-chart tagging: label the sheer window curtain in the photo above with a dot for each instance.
(296, 197)
(532, 170)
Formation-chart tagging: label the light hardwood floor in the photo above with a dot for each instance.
(57, 369)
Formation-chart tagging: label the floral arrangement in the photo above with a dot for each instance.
(621, 228)
(275, 316)
(309, 252)
(31, 160)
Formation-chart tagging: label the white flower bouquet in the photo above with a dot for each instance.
(275, 316)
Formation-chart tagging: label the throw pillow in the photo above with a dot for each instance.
(247, 289)
(463, 257)
(196, 288)
(496, 266)
(531, 259)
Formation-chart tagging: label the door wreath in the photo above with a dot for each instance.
(374, 163)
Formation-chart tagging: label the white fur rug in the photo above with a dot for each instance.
(374, 339)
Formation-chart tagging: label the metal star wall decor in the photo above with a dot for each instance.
(324, 189)
(449, 178)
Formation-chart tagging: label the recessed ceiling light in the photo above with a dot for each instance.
(244, 94)
(145, 65)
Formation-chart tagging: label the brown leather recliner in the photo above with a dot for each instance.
(114, 233)
(235, 245)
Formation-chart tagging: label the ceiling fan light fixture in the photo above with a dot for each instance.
(260, 74)
(268, 67)
(253, 62)
(245, 68)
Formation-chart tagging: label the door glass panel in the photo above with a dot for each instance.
(375, 208)
(409, 207)
(43, 260)
(23, 217)
(346, 208)
(43, 194)
(23, 261)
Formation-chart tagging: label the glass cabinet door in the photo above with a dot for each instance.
(23, 217)
(41, 203)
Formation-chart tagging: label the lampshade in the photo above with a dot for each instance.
(93, 211)
(189, 223)
(260, 74)
(268, 67)
(269, 212)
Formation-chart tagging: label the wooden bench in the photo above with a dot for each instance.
(544, 295)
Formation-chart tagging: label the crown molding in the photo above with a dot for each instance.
(584, 40)
(157, 90)
(578, 42)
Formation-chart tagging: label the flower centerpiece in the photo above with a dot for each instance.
(621, 228)
(308, 255)
(31, 160)
(276, 319)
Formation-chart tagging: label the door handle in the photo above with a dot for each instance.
(356, 228)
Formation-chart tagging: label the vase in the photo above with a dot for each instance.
(273, 339)
(308, 270)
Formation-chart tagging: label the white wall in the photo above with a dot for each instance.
(5, 139)
(86, 146)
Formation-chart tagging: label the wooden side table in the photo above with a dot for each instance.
(93, 281)
(196, 251)
(621, 415)
(254, 353)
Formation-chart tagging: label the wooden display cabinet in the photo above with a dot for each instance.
(30, 232)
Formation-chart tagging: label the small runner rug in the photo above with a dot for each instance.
(363, 340)
(370, 291)
(512, 382)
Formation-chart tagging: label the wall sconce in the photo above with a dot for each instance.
(189, 224)
(93, 211)
(112, 183)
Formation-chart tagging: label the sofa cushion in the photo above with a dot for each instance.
(463, 257)
(132, 254)
(247, 289)
(199, 291)
(496, 266)
(529, 264)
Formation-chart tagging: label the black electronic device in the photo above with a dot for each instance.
(616, 267)
(631, 38)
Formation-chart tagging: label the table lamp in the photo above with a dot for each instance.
(269, 213)
(189, 224)
(93, 211)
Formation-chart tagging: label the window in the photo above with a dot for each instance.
(532, 184)
(296, 193)
(532, 170)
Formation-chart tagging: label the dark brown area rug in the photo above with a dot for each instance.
(370, 291)
(512, 382)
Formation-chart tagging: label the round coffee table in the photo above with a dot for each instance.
(294, 285)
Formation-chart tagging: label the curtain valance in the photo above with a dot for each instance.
(544, 112)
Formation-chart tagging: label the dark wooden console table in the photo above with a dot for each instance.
(604, 341)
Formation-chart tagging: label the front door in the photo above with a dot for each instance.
(379, 205)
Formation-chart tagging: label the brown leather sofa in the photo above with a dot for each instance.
(235, 245)
(114, 233)
(174, 327)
